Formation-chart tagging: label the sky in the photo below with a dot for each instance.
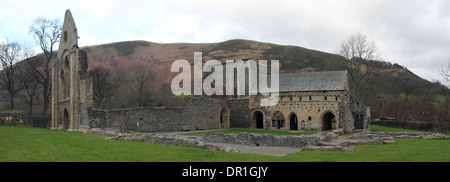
(412, 33)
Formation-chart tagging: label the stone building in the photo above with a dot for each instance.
(310, 101)
(71, 87)
(307, 101)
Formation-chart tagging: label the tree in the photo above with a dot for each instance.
(102, 88)
(142, 76)
(47, 32)
(10, 74)
(117, 80)
(30, 78)
(445, 71)
(445, 104)
(359, 52)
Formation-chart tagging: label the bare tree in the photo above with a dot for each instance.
(10, 72)
(102, 89)
(445, 105)
(445, 71)
(359, 51)
(142, 76)
(117, 80)
(30, 78)
(47, 32)
(31, 86)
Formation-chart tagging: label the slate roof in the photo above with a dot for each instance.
(313, 81)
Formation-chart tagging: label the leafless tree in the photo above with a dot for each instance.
(102, 88)
(359, 51)
(31, 86)
(30, 78)
(47, 32)
(445, 71)
(142, 76)
(10, 72)
(117, 80)
(445, 105)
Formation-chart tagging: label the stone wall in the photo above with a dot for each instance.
(422, 135)
(39, 121)
(251, 139)
(174, 140)
(193, 114)
(240, 113)
(13, 118)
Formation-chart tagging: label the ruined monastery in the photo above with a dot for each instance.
(309, 101)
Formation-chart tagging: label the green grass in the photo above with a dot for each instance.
(37, 144)
(376, 128)
(10, 110)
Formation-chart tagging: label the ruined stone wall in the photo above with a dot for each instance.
(71, 87)
(193, 114)
(13, 118)
(263, 140)
(360, 114)
(39, 121)
(240, 113)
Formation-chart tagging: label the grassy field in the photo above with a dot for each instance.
(36, 144)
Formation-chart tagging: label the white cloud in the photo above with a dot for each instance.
(414, 33)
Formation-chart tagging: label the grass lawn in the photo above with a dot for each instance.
(37, 144)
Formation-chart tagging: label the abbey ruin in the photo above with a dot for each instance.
(309, 101)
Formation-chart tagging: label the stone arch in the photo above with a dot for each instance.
(64, 78)
(258, 119)
(293, 121)
(278, 120)
(224, 117)
(65, 120)
(328, 117)
(303, 125)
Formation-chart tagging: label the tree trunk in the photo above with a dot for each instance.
(31, 105)
(11, 100)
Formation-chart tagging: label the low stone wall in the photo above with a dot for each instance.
(173, 140)
(13, 118)
(39, 121)
(264, 140)
(422, 135)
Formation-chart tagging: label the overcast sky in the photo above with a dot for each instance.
(412, 33)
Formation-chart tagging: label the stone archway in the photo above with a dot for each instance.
(258, 120)
(65, 120)
(327, 121)
(278, 120)
(293, 122)
(225, 117)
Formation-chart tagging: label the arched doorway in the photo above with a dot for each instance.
(225, 118)
(327, 121)
(65, 120)
(293, 120)
(258, 120)
(278, 120)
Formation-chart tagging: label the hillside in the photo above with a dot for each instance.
(159, 57)
(393, 90)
